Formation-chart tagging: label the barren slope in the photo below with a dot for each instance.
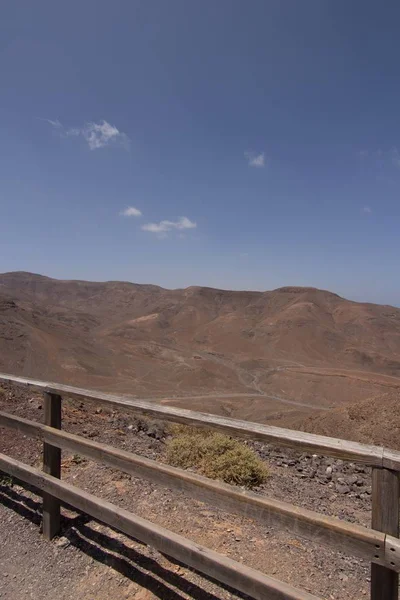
(275, 356)
(375, 420)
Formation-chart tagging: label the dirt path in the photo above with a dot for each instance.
(368, 376)
(246, 378)
(217, 396)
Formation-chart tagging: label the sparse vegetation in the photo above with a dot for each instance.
(6, 480)
(77, 459)
(215, 455)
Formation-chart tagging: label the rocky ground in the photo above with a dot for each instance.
(90, 561)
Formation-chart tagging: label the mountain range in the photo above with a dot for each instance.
(279, 356)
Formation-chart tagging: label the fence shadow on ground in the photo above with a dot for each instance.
(129, 562)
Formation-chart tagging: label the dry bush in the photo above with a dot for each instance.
(217, 456)
(239, 465)
(176, 429)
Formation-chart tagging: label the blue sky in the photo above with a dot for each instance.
(259, 140)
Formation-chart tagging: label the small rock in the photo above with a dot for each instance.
(62, 542)
(35, 403)
(342, 488)
(352, 479)
(360, 469)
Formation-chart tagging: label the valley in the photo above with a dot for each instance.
(288, 357)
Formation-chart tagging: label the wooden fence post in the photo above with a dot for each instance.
(385, 518)
(51, 465)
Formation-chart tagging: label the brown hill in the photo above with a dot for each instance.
(375, 420)
(260, 355)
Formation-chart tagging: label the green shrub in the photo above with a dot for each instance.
(217, 456)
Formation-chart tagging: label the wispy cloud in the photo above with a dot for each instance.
(73, 131)
(163, 227)
(255, 160)
(54, 123)
(367, 210)
(131, 211)
(96, 135)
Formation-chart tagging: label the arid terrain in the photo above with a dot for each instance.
(90, 561)
(294, 356)
(298, 357)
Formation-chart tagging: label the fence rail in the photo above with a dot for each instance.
(379, 545)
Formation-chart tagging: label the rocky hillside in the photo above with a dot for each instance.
(274, 355)
(374, 420)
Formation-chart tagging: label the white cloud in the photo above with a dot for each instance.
(185, 223)
(131, 211)
(255, 160)
(164, 226)
(97, 135)
(101, 134)
(367, 209)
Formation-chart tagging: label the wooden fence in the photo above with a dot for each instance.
(379, 545)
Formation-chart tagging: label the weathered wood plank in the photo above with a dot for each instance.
(223, 569)
(346, 450)
(391, 459)
(385, 517)
(51, 465)
(350, 538)
(392, 552)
